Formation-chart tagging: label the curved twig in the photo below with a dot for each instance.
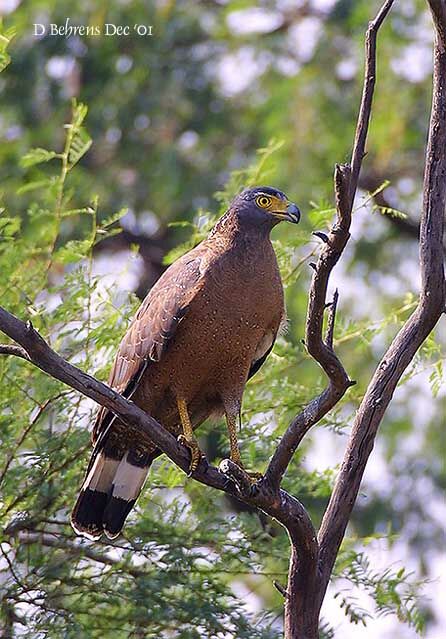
(285, 508)
(345, 186)
(414, 332)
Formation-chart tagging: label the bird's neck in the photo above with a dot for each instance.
(233, 230)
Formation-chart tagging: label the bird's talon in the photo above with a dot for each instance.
(195, 452)
(254, 475)
(244, 480)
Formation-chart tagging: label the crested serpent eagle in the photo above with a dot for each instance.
(204, 329)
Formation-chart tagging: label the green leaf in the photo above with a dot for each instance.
(87, 210)
(72, 251)
(257, 172)
(9, 226)
(436, 378)
(34, 185)
(181, 224)
(37, 156)
(5, 38)
(391, 212)
(114, 217)
(79, 146)
(80, 111)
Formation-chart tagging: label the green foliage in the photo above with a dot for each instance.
(393, 591)
(163, 568)
(6, 35)
(258, 173)
(36, 156)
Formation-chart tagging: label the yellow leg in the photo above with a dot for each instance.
(231, 421)
(188, 438)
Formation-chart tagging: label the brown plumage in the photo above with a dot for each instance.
(206, 326)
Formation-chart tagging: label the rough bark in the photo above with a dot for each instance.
(403, 348)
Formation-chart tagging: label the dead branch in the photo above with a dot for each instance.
(403, 348)
(438, 9)
(345, 186)
(285, 508)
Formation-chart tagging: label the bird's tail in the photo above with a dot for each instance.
(109, 492)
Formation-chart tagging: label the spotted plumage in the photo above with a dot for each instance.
(204, 329)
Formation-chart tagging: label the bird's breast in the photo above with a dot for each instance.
(230, 323)
(247, 283)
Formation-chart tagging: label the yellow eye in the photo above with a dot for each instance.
(263, 201)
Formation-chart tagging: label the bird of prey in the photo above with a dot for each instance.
(204, 329)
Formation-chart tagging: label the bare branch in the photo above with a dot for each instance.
(345, 186)
(301, 612)
(323, 353)
(438, 9)
(331, 319)
(278, 586)
(282, 506)
(411, 336)
(367, 96)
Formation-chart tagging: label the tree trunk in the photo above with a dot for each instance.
(301, 611)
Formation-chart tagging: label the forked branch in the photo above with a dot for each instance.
(403, 348)
(34, 349)
(345, 185)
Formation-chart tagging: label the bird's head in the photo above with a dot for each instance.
(264, 206)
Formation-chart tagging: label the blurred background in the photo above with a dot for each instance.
(176, 118)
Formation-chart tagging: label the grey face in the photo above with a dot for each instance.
(265, 206)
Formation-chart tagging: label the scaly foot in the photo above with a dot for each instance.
(252, 474)
(195, 452)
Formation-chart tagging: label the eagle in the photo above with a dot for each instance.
(206, 326)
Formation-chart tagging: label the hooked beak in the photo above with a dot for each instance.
(290, 214)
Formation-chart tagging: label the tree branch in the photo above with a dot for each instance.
(301, 603)
(438, 9)
(282, 506)
(414, 332)
(321, 351)
(345, 185)
(367, 96)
